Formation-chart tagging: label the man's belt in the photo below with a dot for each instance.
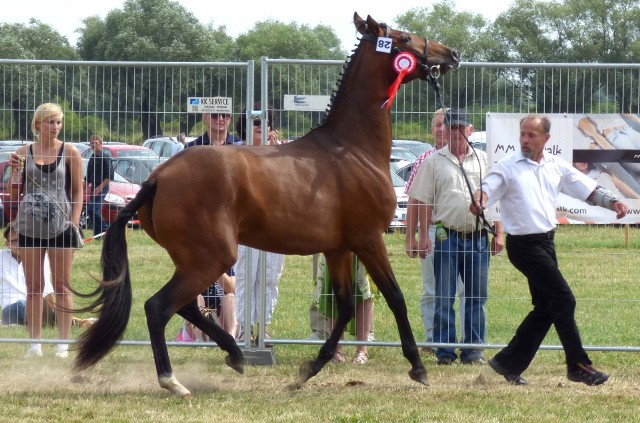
(544, 235)
(467, 235)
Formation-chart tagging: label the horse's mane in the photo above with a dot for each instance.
(338, 91)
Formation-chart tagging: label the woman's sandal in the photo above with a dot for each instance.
(338, 358)
(361, 358)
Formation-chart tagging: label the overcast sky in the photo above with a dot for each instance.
(65, 16)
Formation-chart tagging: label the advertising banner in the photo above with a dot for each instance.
(606, 147)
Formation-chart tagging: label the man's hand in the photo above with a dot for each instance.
(478, 203)
(425, 247)
(411, 246)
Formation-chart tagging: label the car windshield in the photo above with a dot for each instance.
(397, 181)
(403, 153)
(145, 154)
(119, 178)
(136, 169)
(416, 147)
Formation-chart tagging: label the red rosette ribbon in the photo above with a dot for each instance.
(404, 63)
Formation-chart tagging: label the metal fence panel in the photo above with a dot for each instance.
(132, 101)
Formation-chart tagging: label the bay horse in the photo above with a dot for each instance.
(329, 192)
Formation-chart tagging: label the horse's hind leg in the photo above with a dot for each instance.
(339, 267)
(158, 314)
(159, 309)
(376, 261)
(225, 341)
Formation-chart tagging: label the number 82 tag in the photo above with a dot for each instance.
(384, 44)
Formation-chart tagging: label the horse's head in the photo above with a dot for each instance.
(433, 58)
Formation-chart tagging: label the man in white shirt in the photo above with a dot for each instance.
(527, 184)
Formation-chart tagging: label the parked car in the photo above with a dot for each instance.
(122, 150)
(81, 146)
(405, 171)
(479, 140)
(404, 154)
(8, 211)
(400, 218)
(5, 155)
(416, 147)
(136, 169)
(161, 145)
(396, 163)
(9, 146)
(120, 193)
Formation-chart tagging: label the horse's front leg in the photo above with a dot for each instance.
(339, 268)
(376, 262)
(158, 316)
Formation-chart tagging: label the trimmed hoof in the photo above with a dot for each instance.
(236, 363)
(419, 375)
(171, 384)
(306, 372)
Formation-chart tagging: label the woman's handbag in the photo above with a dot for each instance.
(77, 238)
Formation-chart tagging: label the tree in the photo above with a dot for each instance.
(578, 31)
(29, 42)
(466, 32)
(153, 30)
(277, 40)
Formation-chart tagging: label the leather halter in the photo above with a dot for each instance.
(431, 72)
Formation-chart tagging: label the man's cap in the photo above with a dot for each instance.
(457, 117)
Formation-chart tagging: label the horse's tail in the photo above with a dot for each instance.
(114, 293)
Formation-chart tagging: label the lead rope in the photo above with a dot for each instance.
(481, 220)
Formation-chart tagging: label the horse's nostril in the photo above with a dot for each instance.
(455, 55)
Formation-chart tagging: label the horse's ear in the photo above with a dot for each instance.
(360, 24)
(374, 28)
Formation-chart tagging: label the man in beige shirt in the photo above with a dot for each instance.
(462, 246)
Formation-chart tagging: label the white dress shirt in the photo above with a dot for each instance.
(528, 191)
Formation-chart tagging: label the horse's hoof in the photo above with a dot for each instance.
(419, 375)
(236, 363)
(306, 372)
(171, 384)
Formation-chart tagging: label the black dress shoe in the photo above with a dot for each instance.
(513, 379)
(588, 375)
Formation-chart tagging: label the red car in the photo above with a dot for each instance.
(120, 193)
(123, 150)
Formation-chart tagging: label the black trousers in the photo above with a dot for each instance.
(553, 304)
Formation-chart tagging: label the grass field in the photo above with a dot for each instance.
(123, 387)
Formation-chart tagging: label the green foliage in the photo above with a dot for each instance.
(35, 41)
(465, 31)
(602, 31)
(278, 40)
(152, 30)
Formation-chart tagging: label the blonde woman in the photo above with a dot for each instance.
(47, 183)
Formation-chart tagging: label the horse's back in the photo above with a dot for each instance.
(291, 198)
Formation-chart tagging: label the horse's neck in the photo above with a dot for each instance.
(359, 113)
